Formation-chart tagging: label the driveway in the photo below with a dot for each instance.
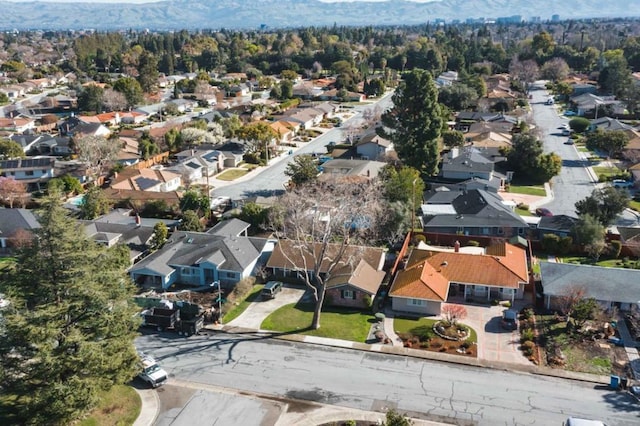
(257, 311)
(494, 342)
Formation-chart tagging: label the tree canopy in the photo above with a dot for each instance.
(302, 169)
(611, 142)
(415, 122)
(604, 204)
(10, 149)
(526, 156)
(68, 332)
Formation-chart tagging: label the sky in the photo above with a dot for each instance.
(156, 1)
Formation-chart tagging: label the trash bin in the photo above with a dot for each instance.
(615, 382)
(624, 381)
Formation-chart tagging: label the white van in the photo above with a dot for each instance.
(573, 421)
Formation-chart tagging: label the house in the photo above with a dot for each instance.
(199, 164)
(611, 287)
(284, 131)
(12, 223)
(353, 282)
(373, 147)
(582, 88)
(470, 212)
(361, 168)
(200, 259)
(587, 102)
(146, 180)
(560, 225)
(35, 171)
(17, 124)
(466, 165)
(447, 78)
(89, 129)
(609, 124)
(306, 117)
(133, 235)
(498, 272)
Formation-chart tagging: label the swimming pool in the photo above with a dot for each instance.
(76, 201)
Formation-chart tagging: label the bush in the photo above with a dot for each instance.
(507, 304)
(579, 124)
(418, 239)
(527, 334)
(615, 247)
(473, 243)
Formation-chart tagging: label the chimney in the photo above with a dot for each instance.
(138, 220)
(454, 153)
(456, 246)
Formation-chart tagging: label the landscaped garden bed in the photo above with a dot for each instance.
(423, 333)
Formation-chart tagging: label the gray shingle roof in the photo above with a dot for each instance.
(232, 227)
(12, 220)
(605, 284)
(559, 222)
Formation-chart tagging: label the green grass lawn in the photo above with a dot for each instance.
(634, 205)
(120, 406)
(523, 212)
(528, 190)
(607, 263)
(337, 323)
(232, 174)
(606, 173)
(240, 307)
(424, 327)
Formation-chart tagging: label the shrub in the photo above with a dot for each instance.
(527, 335)
(507, 304)
(528, 345)
(418, 239)
(615, 247)
(527, 313)
(473, 243)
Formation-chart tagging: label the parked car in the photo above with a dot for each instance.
(270, 289)
(510, 319)
(621, 183)
(569, 113)
(541, 211)
(549, 101)
(566, 132)
(151, 372)
(569, 142)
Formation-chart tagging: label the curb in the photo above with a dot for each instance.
(149, 409)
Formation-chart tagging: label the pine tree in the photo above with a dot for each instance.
(415, 122)
(68, 332)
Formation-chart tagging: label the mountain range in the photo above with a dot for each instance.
(252, 14)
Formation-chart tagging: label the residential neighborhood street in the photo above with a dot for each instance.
(252, 364)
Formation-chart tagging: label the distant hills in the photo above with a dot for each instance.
(252, 14)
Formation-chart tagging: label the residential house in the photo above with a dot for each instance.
(232, 153)
(133, 235)
(447, 78)
(35, 171)
(89, 129)
(13, 92)
(470, 212)
(466, 165)
(587, 103)
(12, 223)
(184, 105)
(284, 131)
(582, 88)
(17, 124)
(306, 90)
(609, 124)
(361, 168)
(432, 274)
(129, 153)
(148, 180)
(201, 259)
(353, 282)
(374, 147)
(306, 117)
(611, 287)
(198, 165)
(560, 225)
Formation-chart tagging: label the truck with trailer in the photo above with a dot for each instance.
(184, 317)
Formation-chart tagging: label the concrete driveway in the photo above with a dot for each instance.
(257, 311)
(494, 342)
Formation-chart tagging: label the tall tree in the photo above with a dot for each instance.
(69, 330)
(526, 157)
(612, 141)
(302, 170)
(326, 223)
(415, 121)
(160, 234)
(12, 190)
(605, 204)
(97, 152)
(94, 204)
(148, 72)
(90, 99)
(131, 89)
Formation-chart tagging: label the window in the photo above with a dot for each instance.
(29, 173)
(230, 274)
(185, 271)
(348, 294)
(416, 302)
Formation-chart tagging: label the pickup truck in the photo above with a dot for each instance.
(151, 372)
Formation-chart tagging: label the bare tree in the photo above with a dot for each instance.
(323, 226)
(97, 152)
(192, 136)
(114, 100)
(452, 313)
(372, 115)
(12, 190)
(570, 297)
(524, 71)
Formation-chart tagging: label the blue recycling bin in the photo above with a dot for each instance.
(615, 382)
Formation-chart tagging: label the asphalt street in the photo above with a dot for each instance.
(252, 363)
(272, 179)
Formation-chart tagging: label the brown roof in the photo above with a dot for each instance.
(504, 265)
(371, 255)
(171, 198)
(363, 277)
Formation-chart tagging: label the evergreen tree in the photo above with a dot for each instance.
(68, 332)
(414, 123)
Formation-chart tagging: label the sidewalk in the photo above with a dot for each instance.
(149, 409)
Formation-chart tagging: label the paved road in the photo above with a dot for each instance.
(574, 182)
(272, 179)
(372, 381)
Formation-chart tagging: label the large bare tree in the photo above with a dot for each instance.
(323, 227)
(97, 152)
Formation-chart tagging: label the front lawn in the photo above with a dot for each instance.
(232, 174)
(607, 263)
(634, 205)
(240, 307)
(418, 333)
(336, 323)
(528, 190)
(523, 212)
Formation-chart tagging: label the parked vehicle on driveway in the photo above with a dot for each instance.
(621, 183)
(270, 289)
(541, 211)
(510, 319)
